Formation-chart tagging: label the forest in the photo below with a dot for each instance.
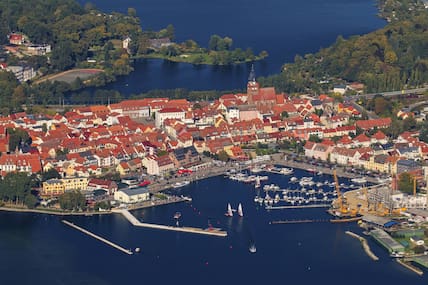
(392, 58)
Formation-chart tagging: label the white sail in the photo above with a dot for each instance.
(229, 212)
(240, 213)
(257, 185)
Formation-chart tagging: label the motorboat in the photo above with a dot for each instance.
(294, 179)
(177, 215)
(286, 171)
(359, 180)
(180, 184)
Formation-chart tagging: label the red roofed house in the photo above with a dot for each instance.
(29, 163)
(374, 123)
(158, 165)
(107, 185)
(16, 39)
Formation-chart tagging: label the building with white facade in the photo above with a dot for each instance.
(132, 195)
(168, 113)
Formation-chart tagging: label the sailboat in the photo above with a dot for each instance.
(252, 248)
(257, 185)
(229, 212)
(240, 213)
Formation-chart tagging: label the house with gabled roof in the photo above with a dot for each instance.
(379, 137)
(373, 123)
(344, 156)
(158, 165)
(362, 141)
(107, 185)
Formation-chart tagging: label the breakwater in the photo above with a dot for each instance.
(410, 266)
(127, 251)
(364, 244)
(134, 221)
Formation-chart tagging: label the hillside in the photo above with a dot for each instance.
(391, 58)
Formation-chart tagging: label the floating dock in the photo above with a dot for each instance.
(134, 221)
(127, 251)
(364, 244)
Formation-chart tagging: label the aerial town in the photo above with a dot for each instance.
(149, 144)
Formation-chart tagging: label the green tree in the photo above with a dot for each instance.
(132, 12)
(15, 186)
(223, 156)
(405, 182)
(50, 174)
(214, 42)
(314, 138)
(72, 201)
(62, 57)
(17, 137)
(170, 32)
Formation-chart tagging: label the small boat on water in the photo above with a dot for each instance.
(252, 248)
(359, 180)
(294, 179)
(257, 185)
(286, 171)
(240, 212)
(229, 212)
(177, 215)
(180, 184)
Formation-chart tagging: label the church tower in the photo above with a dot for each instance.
(252, 86)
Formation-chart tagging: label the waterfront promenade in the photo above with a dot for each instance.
(277, 159)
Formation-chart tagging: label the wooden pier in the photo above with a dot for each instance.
(134, 221)
(364, 244)
(298, 206)
(127, 251)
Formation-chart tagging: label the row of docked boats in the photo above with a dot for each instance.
(278, 170)
(243, 177)
(292, 197)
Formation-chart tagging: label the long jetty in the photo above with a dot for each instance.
(410, 267)
(364, 244)
(298, 207)
(127, 251)
(297, 221)
(134, 221)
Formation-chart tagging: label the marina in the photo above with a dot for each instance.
(261, 239)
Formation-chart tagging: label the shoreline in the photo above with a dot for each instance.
(204, 174)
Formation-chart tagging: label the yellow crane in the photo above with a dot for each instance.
(341, 205)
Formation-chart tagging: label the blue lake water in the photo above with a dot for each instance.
(283, 28)
(321, 253)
